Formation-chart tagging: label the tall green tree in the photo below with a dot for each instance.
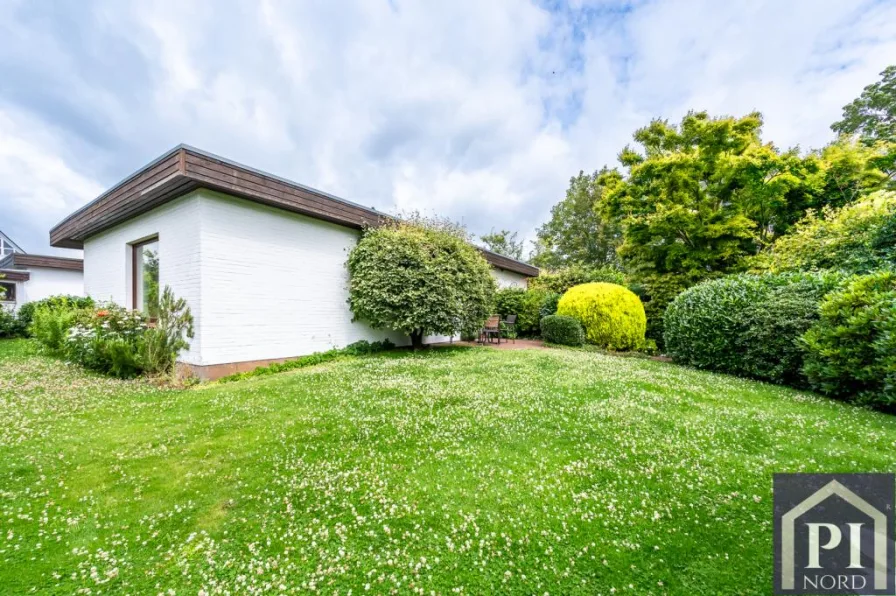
(872, 115)
(504, 243)
(848, 169)
(697, 198)
(577, 234)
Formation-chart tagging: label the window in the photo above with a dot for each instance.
(146, 277)
(10, 291)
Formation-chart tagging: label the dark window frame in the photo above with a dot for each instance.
(10, 290)
(136, 252)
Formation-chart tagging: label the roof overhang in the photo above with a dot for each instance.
(14, 275)
(184, 169)
(24, 261)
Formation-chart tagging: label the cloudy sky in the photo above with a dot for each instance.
(478, 110)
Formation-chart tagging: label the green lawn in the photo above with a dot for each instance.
(452, 471)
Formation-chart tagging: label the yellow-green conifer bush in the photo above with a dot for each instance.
(612, 316)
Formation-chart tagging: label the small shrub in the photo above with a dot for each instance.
(703, 323)
(611, 315)
(851, 349)
(174, 327)
(50, 327)
(559, 329)
(560, 281)
(61, 301)
(10, 325)
(108, 339)
(363, 347)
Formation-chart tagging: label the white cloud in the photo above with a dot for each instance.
(478, 111)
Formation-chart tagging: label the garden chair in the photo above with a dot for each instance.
(492, 328)
(509, 324)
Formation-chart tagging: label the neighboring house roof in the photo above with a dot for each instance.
(185, 168)
(7, 242)
(14, 275)
(23, 261)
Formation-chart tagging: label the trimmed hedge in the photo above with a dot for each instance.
(748, 325)
(566, 331)
(611, 315)
(851, 349)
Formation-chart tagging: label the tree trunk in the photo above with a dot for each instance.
(417, 339)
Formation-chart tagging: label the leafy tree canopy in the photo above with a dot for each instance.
(857, 238)
(504, 243)
(577, 234)
(419, 278)
(872, 115)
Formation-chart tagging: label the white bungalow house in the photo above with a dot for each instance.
(25, 277)
(260, 260)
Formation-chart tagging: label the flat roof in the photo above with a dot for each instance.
(184, 169)
(24, 261)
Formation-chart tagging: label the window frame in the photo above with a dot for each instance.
(10, 296)
(136, 252)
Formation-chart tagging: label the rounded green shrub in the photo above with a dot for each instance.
(702, 324)
(851, 349)
(566, 331)
(611, 315)
(747, 324)
(771, 343)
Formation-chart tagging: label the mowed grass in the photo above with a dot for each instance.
(467, 471)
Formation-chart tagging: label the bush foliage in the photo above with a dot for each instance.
(114, 340)
(559, 329)
(858, 238)
(563, 279)
(611, 315)
(747, 325)
(851, 350)
(10, 324)
(419, 279)
(60, 301)
(525, 304)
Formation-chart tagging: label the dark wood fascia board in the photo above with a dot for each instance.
(11, 275)
(504, 262)
(185, 168)
(24, 261)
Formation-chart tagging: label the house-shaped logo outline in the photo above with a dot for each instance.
(788, 521)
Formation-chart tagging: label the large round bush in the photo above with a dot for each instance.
(747, 324)
(420, 278)
(851, 350)
(612, 316)
(771, 342)
(702, 324)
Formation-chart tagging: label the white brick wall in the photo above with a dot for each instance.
(107, 259)
(274, 284)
